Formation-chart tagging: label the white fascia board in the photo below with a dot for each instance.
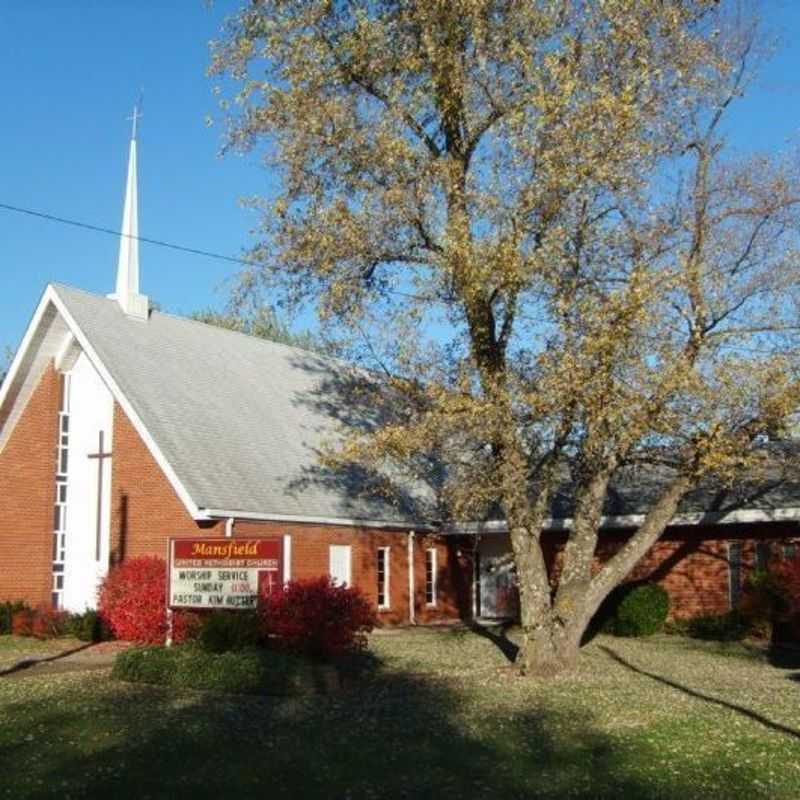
(739, 516)
(217, 513)
(52, 296)
(19, 356)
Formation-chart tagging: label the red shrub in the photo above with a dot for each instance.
(42, 623)
(49, 623)
(22, 623)
(133, 603)
(317, 618)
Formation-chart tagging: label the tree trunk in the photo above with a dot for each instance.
(549, 648)
(552, 631)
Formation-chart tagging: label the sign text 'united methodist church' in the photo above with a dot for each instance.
(223, 573)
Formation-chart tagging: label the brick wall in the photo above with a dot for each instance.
(453, 579)
(27, 497)
(146, 512)
(690, 562)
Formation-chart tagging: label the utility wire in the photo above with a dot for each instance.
(159, 243)
(119, 234)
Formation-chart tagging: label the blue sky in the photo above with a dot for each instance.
(71, 72)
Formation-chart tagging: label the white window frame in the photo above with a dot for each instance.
(433, 553)
(385, 554)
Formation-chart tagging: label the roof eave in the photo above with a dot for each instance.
(352, 522)
(25, 344)
(690, 519)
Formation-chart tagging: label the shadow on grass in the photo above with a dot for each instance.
(784, 657)
(395, 735)
(747, 712)
(498, 636)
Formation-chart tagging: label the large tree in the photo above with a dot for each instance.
(526, 205)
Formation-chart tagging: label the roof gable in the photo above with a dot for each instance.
(234, 421)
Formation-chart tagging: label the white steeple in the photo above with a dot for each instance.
(127, 295)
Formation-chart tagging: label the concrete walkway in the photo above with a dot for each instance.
(85, 657)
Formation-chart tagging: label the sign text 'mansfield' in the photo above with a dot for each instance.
(223, 573)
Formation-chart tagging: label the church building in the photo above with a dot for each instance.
(121, 427)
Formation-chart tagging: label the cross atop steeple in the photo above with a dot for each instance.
(127, 295)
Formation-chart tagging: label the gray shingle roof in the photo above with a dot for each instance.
(636, 490)
(240, 420)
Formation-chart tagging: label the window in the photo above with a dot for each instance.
(383, 577)
(63, 459)
(430, 576)
(735, 573)
(789, 550)
(60, 510)
(763, 554)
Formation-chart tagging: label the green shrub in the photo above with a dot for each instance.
(643, 612)
(7, 611)
(247, 671)
(88, 627)
(224, 631)
(730, 627)
(235, 671)
(145, 665)
(605, 617)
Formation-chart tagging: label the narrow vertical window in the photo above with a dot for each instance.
(762, 556)
(430, 576)
(735, 573)
(60, 511)
(383, 577)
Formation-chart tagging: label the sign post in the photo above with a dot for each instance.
(226, 574)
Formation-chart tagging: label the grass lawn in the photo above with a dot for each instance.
(444, 716)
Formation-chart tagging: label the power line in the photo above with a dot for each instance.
(160, 243)
(119, 234)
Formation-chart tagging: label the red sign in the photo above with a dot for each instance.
(223, 573)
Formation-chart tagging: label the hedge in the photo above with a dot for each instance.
(222, 631)
(7, 611)
(248, 671)
(731, 627)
